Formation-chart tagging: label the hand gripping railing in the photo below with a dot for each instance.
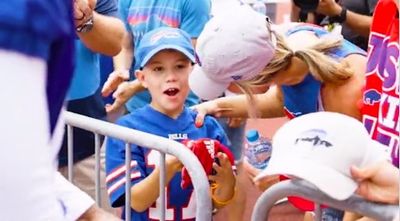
(164, 145)
(301, 188)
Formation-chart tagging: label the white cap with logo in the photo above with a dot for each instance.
(234, 45)
(320, 148)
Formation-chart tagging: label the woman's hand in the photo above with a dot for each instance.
(261, 183)
(208, 107)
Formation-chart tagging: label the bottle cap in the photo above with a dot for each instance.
(252, 135)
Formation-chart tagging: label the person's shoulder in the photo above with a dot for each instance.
(130, 120)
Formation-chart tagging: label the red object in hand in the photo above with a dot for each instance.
(205, 149)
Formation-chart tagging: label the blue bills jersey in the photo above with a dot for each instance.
(180, 203)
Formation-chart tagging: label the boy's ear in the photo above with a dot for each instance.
(141, 77)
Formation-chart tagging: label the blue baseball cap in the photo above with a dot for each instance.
(163, 38)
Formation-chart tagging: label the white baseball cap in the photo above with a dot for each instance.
(320, 148)
(234, 45)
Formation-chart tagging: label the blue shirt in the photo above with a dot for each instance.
(42, 29)
(302, 98)
(141, 17)
(86, 78)
(148, 120)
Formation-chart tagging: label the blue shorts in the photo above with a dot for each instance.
(235, 137)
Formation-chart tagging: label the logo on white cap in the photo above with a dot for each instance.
(313, 137)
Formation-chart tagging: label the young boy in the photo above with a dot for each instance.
(166, 57)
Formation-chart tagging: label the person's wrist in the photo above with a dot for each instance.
(86, 25)
(336, 10)
(339, 17)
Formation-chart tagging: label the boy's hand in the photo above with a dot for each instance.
(224, 175)
(173, 164)
(206, 151)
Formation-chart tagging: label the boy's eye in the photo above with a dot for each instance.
(180, 66)
(157, 69)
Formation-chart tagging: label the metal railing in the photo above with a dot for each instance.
(301, 188)
(161, 144)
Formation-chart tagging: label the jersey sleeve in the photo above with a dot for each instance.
(195, 14)
(116, 169)
(107, 7)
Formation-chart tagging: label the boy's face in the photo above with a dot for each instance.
(166, 77)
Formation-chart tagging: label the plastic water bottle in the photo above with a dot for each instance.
(258, 149)
(259, 6)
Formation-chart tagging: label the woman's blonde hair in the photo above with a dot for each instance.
(321, 66)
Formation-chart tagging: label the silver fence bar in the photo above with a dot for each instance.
(97, 168)
(70, 153)
(162, 185)
(162, 144)
(127, 183)
(317, 212)
(266, 201)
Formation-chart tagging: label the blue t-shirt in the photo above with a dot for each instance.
(86, 78)
(42, 29)
(302, 98)
(141, 17)
(180, 202)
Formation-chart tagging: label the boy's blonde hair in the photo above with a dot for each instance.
(321, 66)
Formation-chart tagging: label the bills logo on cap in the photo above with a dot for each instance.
(315, 137)
(164, 34)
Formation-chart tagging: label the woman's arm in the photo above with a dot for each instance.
(268, 105)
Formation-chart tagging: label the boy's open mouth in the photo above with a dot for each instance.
(171, 91)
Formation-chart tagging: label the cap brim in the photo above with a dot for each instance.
(163, 47)
(326, 179)
(203, 86)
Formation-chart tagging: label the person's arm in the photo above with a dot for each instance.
(360, 24)
(106, 35)
(268, 105)
(146, 192)
(122, 63)
(94, 213)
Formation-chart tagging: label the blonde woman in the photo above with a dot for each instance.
(306, 68)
